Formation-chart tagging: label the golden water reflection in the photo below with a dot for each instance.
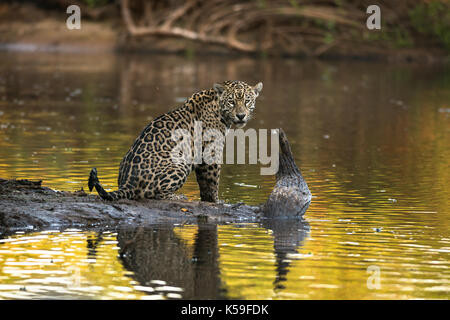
(372, 141)
(70, 264)
(274, 260)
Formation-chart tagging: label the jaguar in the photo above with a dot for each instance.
(148, 171)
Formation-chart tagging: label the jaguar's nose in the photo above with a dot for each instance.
(240, 116)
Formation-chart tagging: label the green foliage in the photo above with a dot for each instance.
(97, 3)
(432, 19)
(394, 37)
(327, 25)
(263, 54)
(261, 4)
(329, 38)
(402, 38)
(294, 3)
(189, 53)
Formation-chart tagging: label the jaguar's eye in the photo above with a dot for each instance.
(248, 102)
(231, 103)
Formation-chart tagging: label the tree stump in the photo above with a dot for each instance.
(290, 196)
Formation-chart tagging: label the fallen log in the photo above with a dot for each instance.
(28, 205)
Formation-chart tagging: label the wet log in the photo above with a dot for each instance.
(28, 205)
(290, 196)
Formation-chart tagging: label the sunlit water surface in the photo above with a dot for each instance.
(372, 141)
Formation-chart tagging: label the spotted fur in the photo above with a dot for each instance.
(148, 171)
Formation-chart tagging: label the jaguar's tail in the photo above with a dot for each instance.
(94, 182)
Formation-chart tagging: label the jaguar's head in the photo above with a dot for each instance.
(237, 101)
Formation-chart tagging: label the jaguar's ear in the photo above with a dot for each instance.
(218, 88)
(258, 88)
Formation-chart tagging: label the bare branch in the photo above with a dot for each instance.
(268, 27)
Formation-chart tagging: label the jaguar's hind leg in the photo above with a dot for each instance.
(169, 179)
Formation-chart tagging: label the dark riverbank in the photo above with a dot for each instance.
(27, 27)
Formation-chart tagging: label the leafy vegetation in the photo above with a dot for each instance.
(97, 3)
(432, 19)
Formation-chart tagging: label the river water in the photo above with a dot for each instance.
(372, 141)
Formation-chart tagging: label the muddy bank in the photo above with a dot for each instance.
(28, 205)
(27, 28)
